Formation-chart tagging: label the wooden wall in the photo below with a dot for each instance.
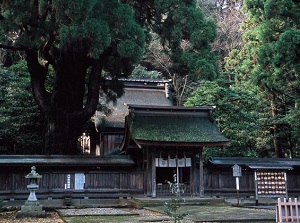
(13, 185)
(220, 182)
(121, 182)
(110, 141)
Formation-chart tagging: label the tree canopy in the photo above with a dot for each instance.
(86, 42)
(269, 62)
(21, 126)
(81, 44)
(180, 42)
(78, 39)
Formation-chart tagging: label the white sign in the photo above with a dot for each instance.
(79, 181)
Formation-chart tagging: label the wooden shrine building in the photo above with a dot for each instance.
(135, 150)
(167, 140)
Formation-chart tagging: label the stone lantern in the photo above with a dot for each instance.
(32, 207)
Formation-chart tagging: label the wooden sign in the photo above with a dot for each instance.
(237, 171)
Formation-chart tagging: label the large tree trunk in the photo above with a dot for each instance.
(66, 109)
(275, 129)
(61, 135)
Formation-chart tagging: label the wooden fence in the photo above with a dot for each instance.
(288, 210)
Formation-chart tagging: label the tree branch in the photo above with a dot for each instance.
(14, 48)
(46, 49)
(38, 74)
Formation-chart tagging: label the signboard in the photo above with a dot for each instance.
(68, 183)
(237, 171)
(79, 181)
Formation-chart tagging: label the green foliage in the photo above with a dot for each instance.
(172, 207)
(184, 51)
(92, 24)
(142, 72)
(185, 22)
(76, 40)
(234, 111)
(21, 127)
(269, 62)
(82, 38)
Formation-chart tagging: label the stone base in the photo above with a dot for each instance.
(31, 209)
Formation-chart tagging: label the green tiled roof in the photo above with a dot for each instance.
(183, 129)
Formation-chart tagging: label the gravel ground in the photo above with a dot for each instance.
(197, 214)
(93, 211)
(142, 215)
(10, 217)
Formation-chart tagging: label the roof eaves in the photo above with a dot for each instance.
(144, 143)
(270, 166)
(57, 160)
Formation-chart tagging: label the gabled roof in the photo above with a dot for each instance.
(136, 91)
(172, 126)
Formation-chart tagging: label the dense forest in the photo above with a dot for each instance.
(242, 57)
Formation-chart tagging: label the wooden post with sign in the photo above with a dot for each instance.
(237, 172)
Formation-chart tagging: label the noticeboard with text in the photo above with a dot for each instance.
(236, 171)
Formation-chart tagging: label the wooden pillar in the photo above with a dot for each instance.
(101, 144)
(13, 184)
(201, 177)
(153, 175)
(145, 170)
(147, 173)
(193, 175)
(93, 143)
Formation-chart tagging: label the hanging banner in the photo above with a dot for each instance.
(188, 162)
(172, 162)
(181, 162)
(184, 162)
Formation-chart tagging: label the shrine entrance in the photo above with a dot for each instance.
(170, 170)
(164, 175)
